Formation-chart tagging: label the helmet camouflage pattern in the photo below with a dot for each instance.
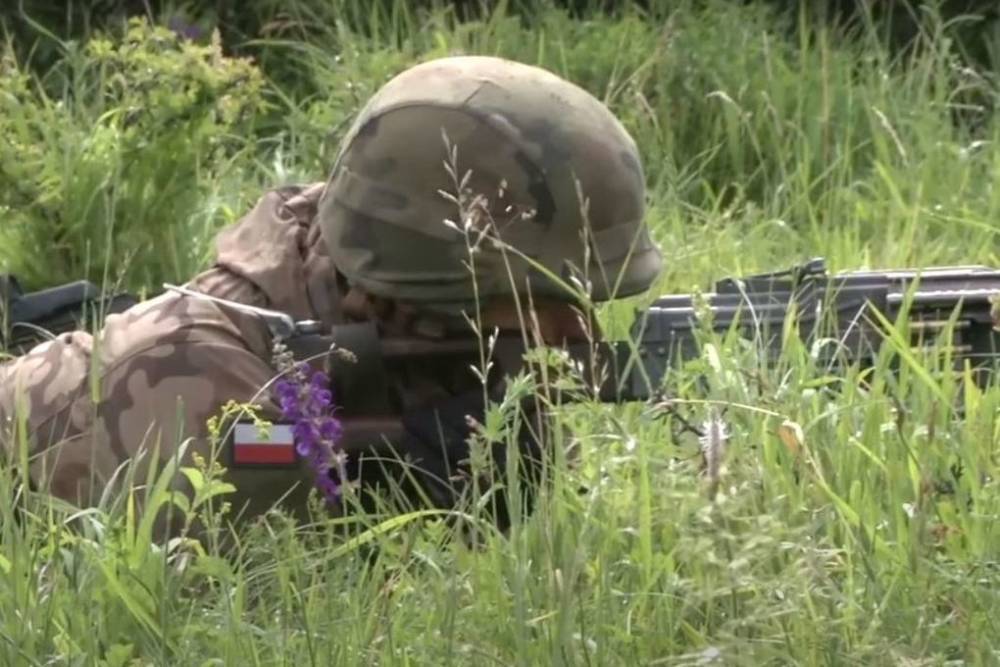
(536, 147)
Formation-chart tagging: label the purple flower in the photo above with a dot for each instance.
(331, 430)
(305, 435)
(319, 380)
(290, 409)
(306, 400)
(328, 487)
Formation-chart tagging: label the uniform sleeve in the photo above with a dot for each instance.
(167, 395)
(152, 381)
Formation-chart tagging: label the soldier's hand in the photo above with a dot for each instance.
(438, 440)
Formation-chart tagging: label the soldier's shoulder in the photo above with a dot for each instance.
(172, 320)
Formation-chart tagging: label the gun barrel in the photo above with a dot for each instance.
(946, 297)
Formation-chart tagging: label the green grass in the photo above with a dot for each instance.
(766, 141)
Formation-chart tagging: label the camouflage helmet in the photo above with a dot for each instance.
(534, 146)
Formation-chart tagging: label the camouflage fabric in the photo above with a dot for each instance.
(527, 139)
(155, 374)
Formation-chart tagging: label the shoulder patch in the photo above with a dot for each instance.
(270, 447)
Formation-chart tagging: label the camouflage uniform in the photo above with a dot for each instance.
(532, 142)
(160, 370)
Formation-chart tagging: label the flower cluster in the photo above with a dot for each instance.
(306, 400)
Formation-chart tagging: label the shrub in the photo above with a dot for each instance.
(123, 152)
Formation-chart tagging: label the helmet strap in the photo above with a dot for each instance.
(394, 317)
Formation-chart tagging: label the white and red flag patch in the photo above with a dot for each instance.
(253, 445)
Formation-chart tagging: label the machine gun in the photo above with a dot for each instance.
(850, 311)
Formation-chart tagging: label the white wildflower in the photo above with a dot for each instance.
(715, 437)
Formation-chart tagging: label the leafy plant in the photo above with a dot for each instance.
(120, 163)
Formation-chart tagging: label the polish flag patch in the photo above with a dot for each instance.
(255, 446)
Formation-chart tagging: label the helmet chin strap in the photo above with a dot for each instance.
(398, 318)
(549, 321)
(554, 322)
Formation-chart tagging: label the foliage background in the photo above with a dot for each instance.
(134, 144)
(855, 519)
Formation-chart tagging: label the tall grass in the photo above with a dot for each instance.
(853, 520)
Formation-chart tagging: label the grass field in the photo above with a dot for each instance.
(766, 141)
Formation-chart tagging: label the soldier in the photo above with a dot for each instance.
(373, 243)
